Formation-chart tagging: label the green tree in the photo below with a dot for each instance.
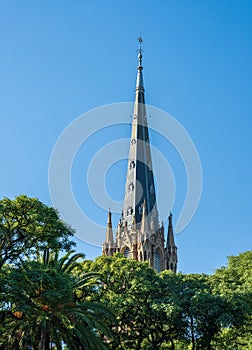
(146, 304)
(198, 315)
(128, 288)
(206, 313)
(166, 310)
(27, 226)
(234, 283)
(41, 307)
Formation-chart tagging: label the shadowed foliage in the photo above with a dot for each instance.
(41, 306)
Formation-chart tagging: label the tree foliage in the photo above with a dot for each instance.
(128, 289)
(54, 301)
(27, 226)
(170, 311)
(44, 296)
(234, 283)
(40, 306)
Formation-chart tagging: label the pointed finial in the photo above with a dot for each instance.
(140, 40)
(109, 217)
(170, 235)
(162, 228)
(140, 56)
(109, 231)
(170, 218)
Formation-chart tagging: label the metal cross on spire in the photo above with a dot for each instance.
(140, 40)
(140, 56)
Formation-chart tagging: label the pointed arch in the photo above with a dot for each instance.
(126, 252)
(158, 260)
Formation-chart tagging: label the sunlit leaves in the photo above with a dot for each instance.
(26, 226)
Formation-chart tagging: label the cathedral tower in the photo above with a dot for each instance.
(139, 234)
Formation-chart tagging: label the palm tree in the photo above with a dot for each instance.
(43, 308)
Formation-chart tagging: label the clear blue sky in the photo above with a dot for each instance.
(60, 59)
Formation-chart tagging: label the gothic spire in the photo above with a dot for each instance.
(139, 234)
(172, 257)
(170, 236)
(140, 180)
(109, 232)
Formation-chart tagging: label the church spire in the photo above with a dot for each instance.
(170, 235)
(140, 180)
(109, 232)
(172, 258)
(109, 246)
(139, 234)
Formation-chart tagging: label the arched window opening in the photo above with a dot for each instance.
(126, 252)
(145, 256)
(157, 260)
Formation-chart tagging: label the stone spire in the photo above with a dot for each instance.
(170, 235)
(139, 235)
(109, 231)
(172, 258)
(140, 180)
(109, 246)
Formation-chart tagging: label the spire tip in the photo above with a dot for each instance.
(140, 40)
(140, 55)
